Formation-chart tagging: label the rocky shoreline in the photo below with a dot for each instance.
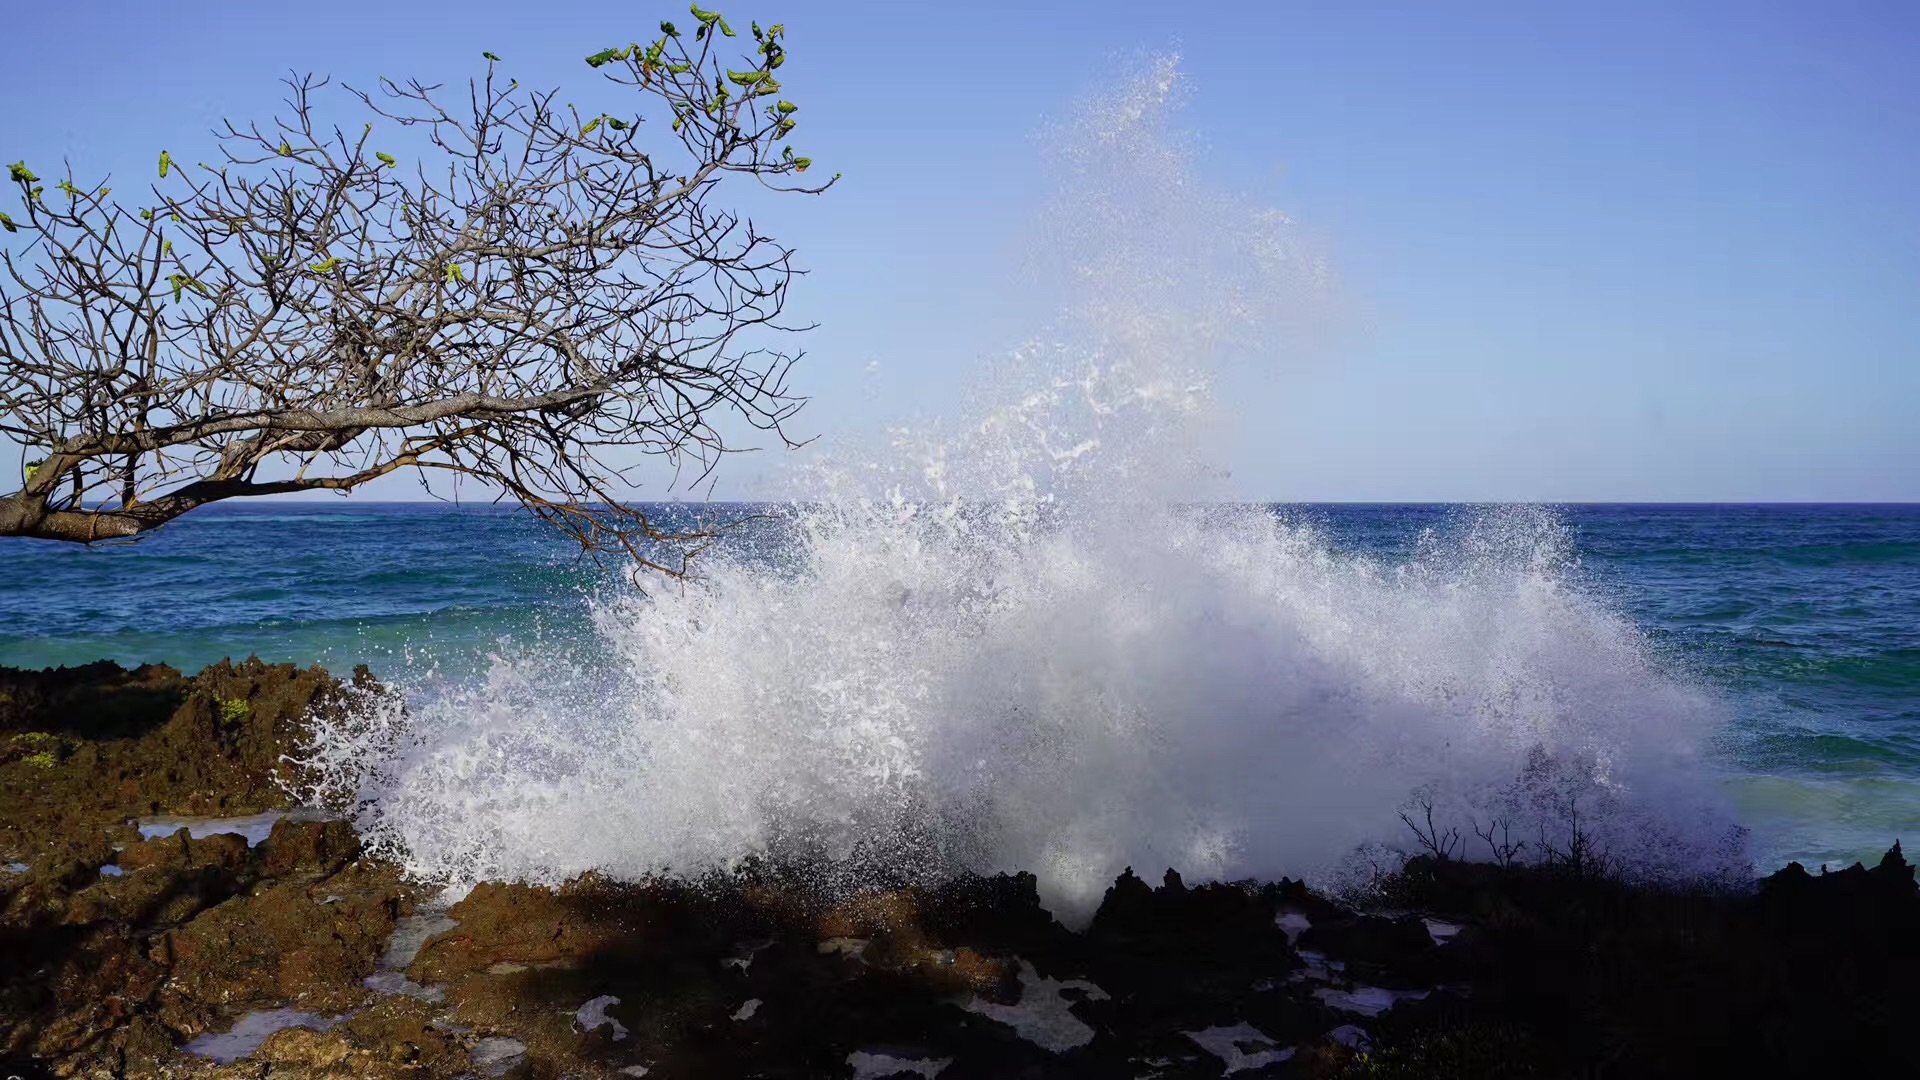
(137, 944)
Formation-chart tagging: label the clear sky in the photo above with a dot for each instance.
(1595, 251)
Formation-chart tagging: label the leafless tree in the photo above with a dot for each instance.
(538, 300)
(1584, 855)
(1440, 843)
(1500, 842)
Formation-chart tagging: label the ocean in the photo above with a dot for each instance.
(1800, 622)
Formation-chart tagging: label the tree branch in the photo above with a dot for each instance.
(539, 296)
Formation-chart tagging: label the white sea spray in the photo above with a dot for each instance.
(1035, 640)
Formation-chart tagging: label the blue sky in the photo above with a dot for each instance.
(1592, 251)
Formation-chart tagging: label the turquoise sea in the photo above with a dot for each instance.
(1803, 619)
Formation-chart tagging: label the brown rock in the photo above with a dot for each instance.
(312, 944)
(160, 851)
(228, 851)
(96, 745)
(311, 846)
(518, 924)
(305, 1047)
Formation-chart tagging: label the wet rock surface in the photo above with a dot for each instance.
(201, 954)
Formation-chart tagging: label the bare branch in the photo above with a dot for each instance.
(1440, 843)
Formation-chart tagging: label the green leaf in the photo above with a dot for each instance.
(603, 57)
(324, 267)
(19, 171)
(745, 78)
(787, 107)
(286, 150)
(724, 28)
(680, 69)
(7, 223)
(491, 57)
(667, 28)
(617, 124)
(166, 163)
(454, 274)
(592, 126)
(387, 160)
(757, 35)
(802, 164)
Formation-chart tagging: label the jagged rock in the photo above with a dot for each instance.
(87, 748)
(309, 944)
(114, 951)
(1389, 952)
(321, 847)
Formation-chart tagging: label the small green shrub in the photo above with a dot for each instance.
(36, 748)
(232, 710)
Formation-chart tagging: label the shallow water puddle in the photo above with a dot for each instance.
(1043, 1016)
(495, 1055)
(255, 827)
(594, 1014)
(871, 1066)
(1318, 967)
(1367, 1000)
(409, 934)
(1352, 1036)
(1292, 924)
(251, 1030)
(1240, 1046)
(745, 1012)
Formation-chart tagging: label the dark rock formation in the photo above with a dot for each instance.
(118, 952)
